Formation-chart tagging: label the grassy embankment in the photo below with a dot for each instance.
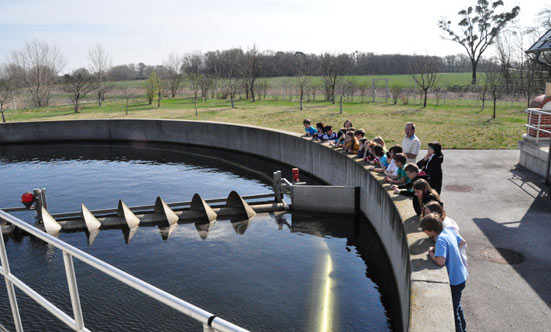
(457, 124)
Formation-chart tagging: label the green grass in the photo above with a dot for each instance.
(446, 79)
(457, 124)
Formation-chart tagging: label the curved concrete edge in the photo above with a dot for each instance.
(423, 290)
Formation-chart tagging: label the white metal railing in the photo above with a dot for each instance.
(210, 322)
(538, 128)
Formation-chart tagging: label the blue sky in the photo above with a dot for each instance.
(147, 31)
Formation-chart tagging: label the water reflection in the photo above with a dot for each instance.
(240, 225)
(153, 153)
(166, 231)
(252, 280)
(359, 234)
(128, 233)
(203, 228)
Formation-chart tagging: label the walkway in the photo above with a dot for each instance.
(508, 207)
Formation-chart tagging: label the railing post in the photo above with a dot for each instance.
(547, 175)
(538, 130)
(73, 291)
(9, 286)
(207, 328)
(529, 122)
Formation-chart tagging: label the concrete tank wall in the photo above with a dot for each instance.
(423, 289)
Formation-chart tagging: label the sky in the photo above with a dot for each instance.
(147, 31)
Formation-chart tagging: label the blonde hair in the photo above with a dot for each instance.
(379, 140)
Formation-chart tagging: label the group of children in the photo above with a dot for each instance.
(423, 182)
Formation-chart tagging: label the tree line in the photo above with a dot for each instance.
(36, 67)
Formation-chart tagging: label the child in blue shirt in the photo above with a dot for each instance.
(446, 252)
(310, 131)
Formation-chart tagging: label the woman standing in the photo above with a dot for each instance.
(432, 165)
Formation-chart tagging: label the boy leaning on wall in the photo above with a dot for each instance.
(446, 252)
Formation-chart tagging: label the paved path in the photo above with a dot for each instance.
(508, 208)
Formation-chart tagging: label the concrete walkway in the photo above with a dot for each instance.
(510, 208)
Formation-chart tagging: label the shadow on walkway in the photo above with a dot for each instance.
(530, 236)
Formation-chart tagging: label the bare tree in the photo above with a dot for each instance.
(250, 70)
(527, 79)
(314, 87)
(363, 87)
(263, 86)
(482, 88)
(333, 69)
(438, 93)
(478, 28)
(527, 65)
(352, 87)
(343, 88)
(78, 85)
(396, 91)
(303, 82)
(193, 66)
(425, 74)
(6, 89)
(173, 63)
(228, 68)
(544, 17)
(505, 47)
(39, 63)
(152, 86)
(205, 84)
(100, 64)
(494, 79)
(286, 87)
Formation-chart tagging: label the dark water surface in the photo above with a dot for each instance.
(276, 272)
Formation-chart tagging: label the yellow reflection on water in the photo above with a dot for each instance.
(327, 305)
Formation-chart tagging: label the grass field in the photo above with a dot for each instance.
(446, 79)
(456, 125)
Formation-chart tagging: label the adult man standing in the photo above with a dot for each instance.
(411, 143)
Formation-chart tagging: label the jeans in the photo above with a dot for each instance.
(460, 324)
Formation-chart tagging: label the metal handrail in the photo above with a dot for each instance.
(538, 111)
(537, 128)
(210, 322)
